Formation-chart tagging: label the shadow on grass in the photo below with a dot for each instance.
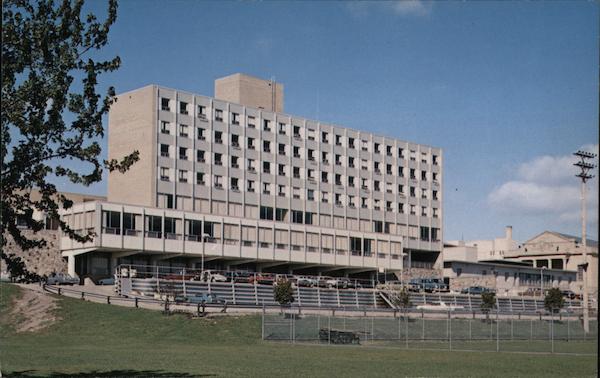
(111, 373)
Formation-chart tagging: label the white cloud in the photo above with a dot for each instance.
(546, 188)
(400, 8)
(410, 7)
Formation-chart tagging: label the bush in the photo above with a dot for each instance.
(554, 300)
(488, 302)
(283, 293)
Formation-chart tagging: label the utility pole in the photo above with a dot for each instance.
(584, 175)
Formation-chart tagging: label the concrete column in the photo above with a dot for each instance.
(71, 265)
(113, 263)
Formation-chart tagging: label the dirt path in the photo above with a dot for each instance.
(33, 311)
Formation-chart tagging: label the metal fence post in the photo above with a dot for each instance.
(552, 328)
(136, 302)
(328, 329)
(422, 326)
(83, 295)
(497, 332)
(293, 328)
(406, 330)
(470, 330)
(263, 322)
(449, 331)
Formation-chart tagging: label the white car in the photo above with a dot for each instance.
(211, 275)
(307, 281)
(441, 307)
(62, 279)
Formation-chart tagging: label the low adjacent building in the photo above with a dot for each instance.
(553, 250)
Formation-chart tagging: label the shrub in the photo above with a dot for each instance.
(554, 300)
(283, 293)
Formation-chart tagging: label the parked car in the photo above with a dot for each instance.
(476, 290)
(264, 278)
(322, 281)
(570, 294)
(427, 285)
(210, 275)
(440, 285)
(533, 292)
(106, 281)
(306, 281)
(180, 276)
(61, 279)
(239, 277)
(337, 282)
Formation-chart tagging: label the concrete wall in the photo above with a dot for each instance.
(132, 126)
(547, 246)
(250, 91)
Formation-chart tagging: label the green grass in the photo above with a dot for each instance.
(96, 340)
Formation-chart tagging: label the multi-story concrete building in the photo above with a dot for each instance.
(480, 250)
(227, 184)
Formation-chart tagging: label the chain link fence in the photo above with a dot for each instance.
(440, 330)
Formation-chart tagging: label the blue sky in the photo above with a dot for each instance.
(508, 89)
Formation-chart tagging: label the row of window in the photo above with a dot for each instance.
(378, 186)
(172, 228)
(183, 131)
(220, 159)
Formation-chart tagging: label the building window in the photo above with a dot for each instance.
(251, 122)
(376, 148)
(183, 131)
(281, 149)
(235, 140)
(423, 175)
(434, 160)
(250, 187)
(251, 167)
(310, 195)
(266, 212)
(182, 176)
(324, 137)
(297, 132)
(165, 127)
(338, 140)
(218, 115)
(351, 181)
(281, 128)
(434, 176)
(311, 134)
(235, 119)
(234, 162)
(218, 159)
(266, 167)
(308, 218)
(164, 104)
(202, 111)
(296, 151)
(266, 188)
(350, 142)
(324, 197)
(201, 134)
(281, 190)
(200, 156)
(297, 217)
(218, 182)
(251, 143)
(266, 146)
(266, 125)
(219, 137)
(199, 178)
(324, 177)
(183, 153)
(388, 150)
(296, 172)
(280, 214)
(350, 162)
(164, 174)
(183, 107)
(412, 191)
(281, 170)
(434, 194)
(296, 192)
(164, 150)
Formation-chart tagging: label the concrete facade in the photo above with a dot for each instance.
(250, 91)
(202, 155)
(560, 251)
(506, 278)
(481, 250)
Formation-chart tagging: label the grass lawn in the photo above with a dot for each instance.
(102, 340)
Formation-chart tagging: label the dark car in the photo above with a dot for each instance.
(263, 278)
(476, 290)
(569, 294)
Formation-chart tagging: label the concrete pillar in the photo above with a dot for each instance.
(71, 265)
(113, 264)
